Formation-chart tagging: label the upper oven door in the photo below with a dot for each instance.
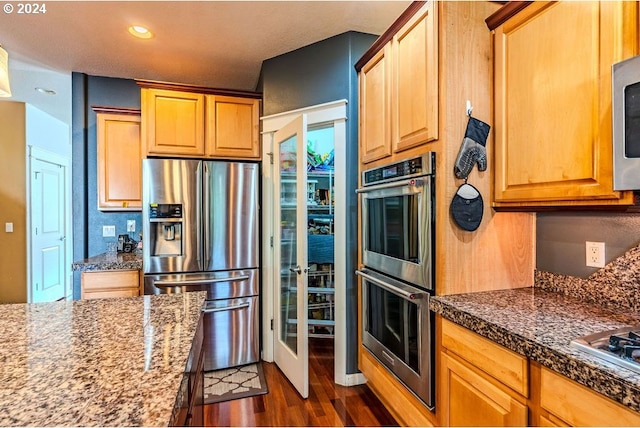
(397, 224)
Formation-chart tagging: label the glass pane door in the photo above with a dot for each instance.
(291, 350)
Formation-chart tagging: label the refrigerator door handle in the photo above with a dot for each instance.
(203, 214)
(169, 283)
(226, 308)
(205, 202)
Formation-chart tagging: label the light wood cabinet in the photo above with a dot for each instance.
(198, 122)
(173, 122)
(553, 127)
(399, 89)
(502, 249)
(119, 162)
(110, 283)
(571, 404)
(481, 383)
(375, 98)
(232, 127)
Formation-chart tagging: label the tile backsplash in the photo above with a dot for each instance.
(615, 286)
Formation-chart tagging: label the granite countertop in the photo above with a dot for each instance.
(104, 362)
(121, 261)
(540, 325)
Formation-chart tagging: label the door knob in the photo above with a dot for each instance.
(296, 269)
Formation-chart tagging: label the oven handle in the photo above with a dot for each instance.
(402, 293)
(416, 182)
(166, 284)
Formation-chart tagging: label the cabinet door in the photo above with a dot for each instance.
(470, 398)
(173, 122)
(375, 96)
(232, 127)
(119, 162)
(414, 94)
(553, 109)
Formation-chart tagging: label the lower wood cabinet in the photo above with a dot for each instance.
(484, 384)
(481, 383)
(564, 402)
(110, 283)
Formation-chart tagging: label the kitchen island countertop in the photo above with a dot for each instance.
(540, 325)
(121, 261)
(104, 362)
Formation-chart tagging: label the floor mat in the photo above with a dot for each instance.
(236, 382)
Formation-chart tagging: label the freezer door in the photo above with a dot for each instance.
(171, 215)
(230, 202)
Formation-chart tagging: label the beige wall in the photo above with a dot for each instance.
(13, 203)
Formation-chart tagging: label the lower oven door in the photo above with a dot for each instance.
(397, 330)
(230, 332)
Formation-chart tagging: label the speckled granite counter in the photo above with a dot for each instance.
(540, 325)
(106, 362)
(121, 261)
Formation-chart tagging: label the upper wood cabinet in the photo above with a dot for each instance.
(198, 122)
(119, 159)
(232, 127)
(399, 89)
(553, 102)
(173, 122)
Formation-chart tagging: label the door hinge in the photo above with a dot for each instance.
(271, 241)
(271, 324)
(270, 154)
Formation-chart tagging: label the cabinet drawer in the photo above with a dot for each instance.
(580, 406)
(117, 283)
(502, 364)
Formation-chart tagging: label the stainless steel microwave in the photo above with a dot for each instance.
(626, 124)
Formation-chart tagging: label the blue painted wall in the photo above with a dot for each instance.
(316, 74)
(90, 91)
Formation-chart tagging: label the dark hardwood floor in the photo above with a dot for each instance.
(328, 404)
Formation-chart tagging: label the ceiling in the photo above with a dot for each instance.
(218, 44)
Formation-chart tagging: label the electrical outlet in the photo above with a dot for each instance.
(595, 254)
(131, 225)
(108, 231)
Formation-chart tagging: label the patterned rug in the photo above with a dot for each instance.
(236, 382)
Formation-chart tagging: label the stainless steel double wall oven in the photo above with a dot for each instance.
(398, 276)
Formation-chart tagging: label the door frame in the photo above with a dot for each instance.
(333, 112)
(37, 153)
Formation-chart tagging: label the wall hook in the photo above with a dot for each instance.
(469, 108)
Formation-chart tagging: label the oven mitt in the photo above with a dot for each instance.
(467, 207)
(472, 149)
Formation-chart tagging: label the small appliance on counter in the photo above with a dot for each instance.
(126, 244)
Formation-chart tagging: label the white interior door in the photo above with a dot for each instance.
(291, 347)
(48, 231)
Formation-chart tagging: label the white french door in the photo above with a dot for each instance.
(291, 349)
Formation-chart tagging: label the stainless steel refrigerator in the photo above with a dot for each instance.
(200, 232)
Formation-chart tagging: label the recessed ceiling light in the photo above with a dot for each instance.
(46, 91)
(140, 32)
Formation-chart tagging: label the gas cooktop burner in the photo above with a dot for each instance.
(621, 346)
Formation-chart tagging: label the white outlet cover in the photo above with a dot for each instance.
(594, 254)
(131, 225)
(108, 231)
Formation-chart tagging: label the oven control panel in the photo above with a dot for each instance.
(407, 168)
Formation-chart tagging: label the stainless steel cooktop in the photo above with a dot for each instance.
(620, 346)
